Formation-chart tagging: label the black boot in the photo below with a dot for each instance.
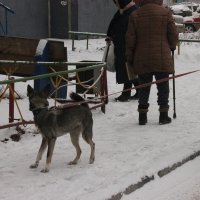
(123, 97)
(164, 118)
(135, 96)
(142, 116)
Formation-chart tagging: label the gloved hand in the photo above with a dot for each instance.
(108, 40)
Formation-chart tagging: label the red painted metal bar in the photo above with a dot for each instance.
(11, 102)
(98, 105)
(16, 124)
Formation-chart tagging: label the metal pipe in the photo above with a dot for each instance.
(6, 22)
(49, 18)
(188, 40)
(52, 74)
(87, 41)
(69, 10)
(174, 92)
(11, 101)
(87, 33)
(73, 33)
(24, 62)
(16, 124)
(73, 48)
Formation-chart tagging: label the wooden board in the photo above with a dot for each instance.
(13, 48)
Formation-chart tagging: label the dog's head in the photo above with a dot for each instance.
(38, 100)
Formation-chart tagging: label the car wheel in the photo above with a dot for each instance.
(189, 28)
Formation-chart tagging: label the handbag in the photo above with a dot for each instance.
(109, 57)
(131, 72)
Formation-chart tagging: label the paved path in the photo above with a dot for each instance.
(181, 184)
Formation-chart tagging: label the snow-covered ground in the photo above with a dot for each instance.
(125, 151)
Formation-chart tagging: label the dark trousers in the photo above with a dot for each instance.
(128, 85)
(163, 89)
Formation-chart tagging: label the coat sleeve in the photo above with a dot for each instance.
(172, 33)
(111, 31)
(130, 40)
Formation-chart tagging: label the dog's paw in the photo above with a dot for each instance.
(72, 162)
(91, 161)
(45, 170)
(33, 166)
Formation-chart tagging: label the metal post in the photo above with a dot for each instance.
(73, 48)
(87, 41)
(2, 28)
(49, 18)
(174, 92)
(69, 6)
(179, 48)
(11, 101)
(7, 9)
(6, 22)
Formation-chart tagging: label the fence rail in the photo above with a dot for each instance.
(186, 40)
(87, 34)
(93, 65)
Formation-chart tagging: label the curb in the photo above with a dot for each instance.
(133, 187)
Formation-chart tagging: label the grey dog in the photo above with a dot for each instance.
(53, 123)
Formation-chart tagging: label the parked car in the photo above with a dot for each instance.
(179, 23)
(192, 24)
(198, 9)
(181, 9)
(192, 6)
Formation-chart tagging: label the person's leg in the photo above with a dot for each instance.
(163, 98)
(144, 97)
(126, 93)
(136, 95)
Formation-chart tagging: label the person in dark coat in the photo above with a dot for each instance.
(150, 38)
(116, 32)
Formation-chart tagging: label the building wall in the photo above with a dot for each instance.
(58, 19)
(95, 15)
(30, 18)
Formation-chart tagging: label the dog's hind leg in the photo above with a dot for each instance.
(88, 138)
(51, 145)
(40, 153)
(92, 155)
(75, 141)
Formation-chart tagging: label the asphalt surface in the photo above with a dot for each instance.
(181, 184)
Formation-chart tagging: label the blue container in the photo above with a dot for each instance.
(42, 54)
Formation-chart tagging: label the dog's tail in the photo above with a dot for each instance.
(74, 96)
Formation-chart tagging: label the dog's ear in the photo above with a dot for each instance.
(30, 91)
(46, 90)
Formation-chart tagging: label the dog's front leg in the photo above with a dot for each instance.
(51, 145)
(40, 153)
